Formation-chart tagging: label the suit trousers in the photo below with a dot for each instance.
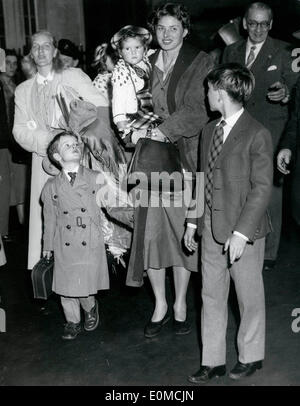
(247, 276)
(71, 307)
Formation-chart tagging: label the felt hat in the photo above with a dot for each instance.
(230, 32)
(68, 48)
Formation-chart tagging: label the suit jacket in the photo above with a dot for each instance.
(273, 63)
(291, 140)
(186, 101)
(242, 180)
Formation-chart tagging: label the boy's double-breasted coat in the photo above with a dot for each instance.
(72, 229)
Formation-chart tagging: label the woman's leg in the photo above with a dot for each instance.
(181, 281)
(157, 279)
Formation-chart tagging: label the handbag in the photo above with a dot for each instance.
(42, 277)
(155, 157)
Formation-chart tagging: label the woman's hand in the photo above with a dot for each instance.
(157, 135)
(137, 134)
(189, 240)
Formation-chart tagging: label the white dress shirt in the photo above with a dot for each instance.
(42, 80)
(73, 170)
(250, 44)
(160, 63)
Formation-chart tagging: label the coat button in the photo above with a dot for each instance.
(67, 244)
(65, 212)
(55, 197)
(83, 243)
(94, 192)
(83, 226)
(83, 210)
(68, 227)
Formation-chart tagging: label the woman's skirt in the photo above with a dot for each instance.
(158, 237)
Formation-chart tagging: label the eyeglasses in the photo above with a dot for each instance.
(254, 24)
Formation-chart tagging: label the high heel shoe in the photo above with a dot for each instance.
(153, 328)
(181, 327)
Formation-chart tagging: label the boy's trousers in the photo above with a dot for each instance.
(247, 276)
(71, 307)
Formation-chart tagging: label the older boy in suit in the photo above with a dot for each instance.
(236, 158)
(72, 231)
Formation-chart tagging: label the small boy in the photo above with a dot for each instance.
(72, 230)
(236, 158)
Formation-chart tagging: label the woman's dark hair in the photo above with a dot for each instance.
(178, 11)
(57, 63)
(102, 52)
(235, 79)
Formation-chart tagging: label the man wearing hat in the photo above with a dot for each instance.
(270, 62)
(69, 53)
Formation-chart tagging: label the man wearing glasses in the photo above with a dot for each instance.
(270, 61)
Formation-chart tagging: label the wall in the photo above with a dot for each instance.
(63, 18)
(13, 23)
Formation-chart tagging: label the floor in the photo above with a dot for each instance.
(32, 352)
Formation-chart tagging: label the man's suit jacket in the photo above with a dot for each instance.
(186, 101)
(242, 180)
(273, 63)
(291, 140)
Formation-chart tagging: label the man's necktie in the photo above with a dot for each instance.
(73, 177)
(251, 56)
(216, 147)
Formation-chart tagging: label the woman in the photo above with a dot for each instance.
(104, 62)
(179, 98)
(37, 115)
(18, 168)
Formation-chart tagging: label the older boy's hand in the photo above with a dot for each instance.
(236, 245)
(47, 255)
(189, 240)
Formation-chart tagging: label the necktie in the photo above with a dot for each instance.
(73, 177)
(251, 56)
(214, 152)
